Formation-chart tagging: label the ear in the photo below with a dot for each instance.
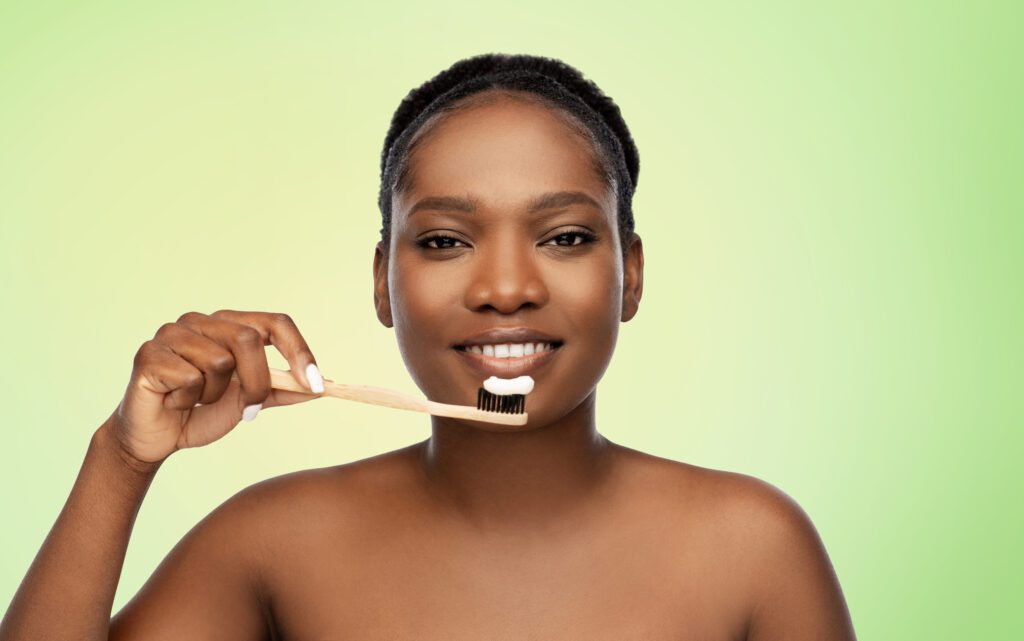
(632, 278)
(381, 295)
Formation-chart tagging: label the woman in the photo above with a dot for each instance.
(507, 248)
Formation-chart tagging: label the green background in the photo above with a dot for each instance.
(831, 209)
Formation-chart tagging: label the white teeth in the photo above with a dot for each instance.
(509, 350)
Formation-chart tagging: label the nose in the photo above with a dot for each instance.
(506, 278)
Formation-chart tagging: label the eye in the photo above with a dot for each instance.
(439, 241)
(574, 237)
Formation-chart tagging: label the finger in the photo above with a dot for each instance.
(246, 344)
(280, 331)
(288, 340)
(164, 372)
(214, 361)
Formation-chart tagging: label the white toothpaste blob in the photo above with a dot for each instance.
(506, 386)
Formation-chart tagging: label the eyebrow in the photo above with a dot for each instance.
(549, 200)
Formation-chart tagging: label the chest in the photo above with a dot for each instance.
(626, 589)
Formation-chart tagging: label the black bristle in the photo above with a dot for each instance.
(506, 404)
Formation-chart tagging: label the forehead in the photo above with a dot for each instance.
(502, 153)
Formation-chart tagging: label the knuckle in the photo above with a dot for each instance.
(142, 354)
(222, 312)
(222, 363)
(248, 336)
(283, 319)
(166, 329)
(189, 317)
(194, 379)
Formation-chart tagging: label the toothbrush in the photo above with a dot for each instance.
(497, 403)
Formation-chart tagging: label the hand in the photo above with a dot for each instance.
(192, 361)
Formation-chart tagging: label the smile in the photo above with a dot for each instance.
(508, 350)
(508, 360)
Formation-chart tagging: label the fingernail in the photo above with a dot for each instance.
(316, 382)
(250, 411)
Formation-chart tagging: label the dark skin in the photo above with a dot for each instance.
(548, 531)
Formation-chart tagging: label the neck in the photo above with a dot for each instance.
(517, 478)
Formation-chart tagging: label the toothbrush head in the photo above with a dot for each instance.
(507, 396)
(503, 403)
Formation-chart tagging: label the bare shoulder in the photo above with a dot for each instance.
(271, 516)
(276, 531)
(727, 501)
(762, 540)
(238, 556)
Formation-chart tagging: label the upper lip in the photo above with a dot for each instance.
(498, 335)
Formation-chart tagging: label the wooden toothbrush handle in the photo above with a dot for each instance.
(283, 379)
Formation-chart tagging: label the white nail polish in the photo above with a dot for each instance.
(316, 382)
(250, 411)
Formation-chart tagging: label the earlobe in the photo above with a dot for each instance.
(633, 278)
(381, 296)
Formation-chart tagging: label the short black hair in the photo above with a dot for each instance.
(549, 81)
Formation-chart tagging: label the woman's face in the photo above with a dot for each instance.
(476, 247)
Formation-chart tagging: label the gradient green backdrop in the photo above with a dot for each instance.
(829, 199)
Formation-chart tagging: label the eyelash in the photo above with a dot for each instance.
(586, 236)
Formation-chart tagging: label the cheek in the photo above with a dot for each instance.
(589, 285)
(421, 300)
(590, 294)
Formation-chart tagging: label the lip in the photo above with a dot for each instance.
(497, 335)
(508, 367)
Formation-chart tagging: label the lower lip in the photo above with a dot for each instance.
(510, 367)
